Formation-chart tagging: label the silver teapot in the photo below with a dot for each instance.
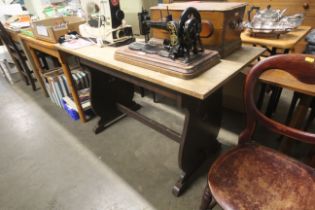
(272, 21)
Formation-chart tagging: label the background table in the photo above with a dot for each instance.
(285, 43)
(285, 80)
(32, 45)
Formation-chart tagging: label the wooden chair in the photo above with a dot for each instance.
(18, 56)
(293, 104)
(252, 176)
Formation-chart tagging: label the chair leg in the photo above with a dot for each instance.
(142, 92)
(310, 119)
(154, 97)
(29, 76)
(277, 99)
(207, 202)
(33, 84)
(294, 101)
(273, 101)
(20, 69)
(261, 95)
(5, 75)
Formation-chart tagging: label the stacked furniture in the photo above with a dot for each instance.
(310, 49)
(7, 67)
(18, 57)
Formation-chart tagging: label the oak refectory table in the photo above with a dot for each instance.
(112, 94)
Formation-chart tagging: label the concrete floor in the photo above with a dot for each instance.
(48, 161)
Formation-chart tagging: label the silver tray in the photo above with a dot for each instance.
(271, 22)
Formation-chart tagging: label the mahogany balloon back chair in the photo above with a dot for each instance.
(18, 56)
(252, 176)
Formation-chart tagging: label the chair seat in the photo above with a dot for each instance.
(257, 177)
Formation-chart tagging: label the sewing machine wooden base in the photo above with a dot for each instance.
(178, 68)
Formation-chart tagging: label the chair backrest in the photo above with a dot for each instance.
(302, 67)
(6, 38)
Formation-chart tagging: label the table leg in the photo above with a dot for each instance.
(263, 88)
(37, 69)
(71, 85)
(274, 100)
(111, 97)
(199, 138)
(20, 69)
(106, 92)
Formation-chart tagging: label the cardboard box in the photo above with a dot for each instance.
(225, 17)
(52, 28)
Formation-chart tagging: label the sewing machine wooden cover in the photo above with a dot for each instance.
(225, 17)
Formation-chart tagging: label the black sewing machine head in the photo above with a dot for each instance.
(184, 35)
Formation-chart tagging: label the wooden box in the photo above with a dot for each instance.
(224, 16)
(52, 28)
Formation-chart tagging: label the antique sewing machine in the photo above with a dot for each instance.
(181, 54)
(105, 22)
(184, 35)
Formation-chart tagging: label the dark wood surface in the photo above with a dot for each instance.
(256, 177)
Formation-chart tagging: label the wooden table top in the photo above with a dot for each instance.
(286, 80)
(37, 41)
(286, 41)
(199, 87)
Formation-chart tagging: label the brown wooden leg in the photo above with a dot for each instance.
(106, 92)
(311, 117)
(261, 96)
(20, 69)
(297, 119)
(28, 74)
(71, 85)
(141, 91)
(112, 91)
(206, 199)
(37, 69)
(201, 128)
(273, 101)
(154, 97)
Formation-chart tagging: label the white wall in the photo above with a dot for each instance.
(36, 7)
(131, 9)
